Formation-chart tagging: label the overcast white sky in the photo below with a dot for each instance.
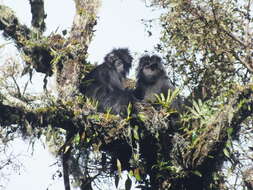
(119, 25)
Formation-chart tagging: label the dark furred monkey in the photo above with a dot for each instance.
(151, 79)
(105, 83)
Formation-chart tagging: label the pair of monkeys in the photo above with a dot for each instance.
(105, 83)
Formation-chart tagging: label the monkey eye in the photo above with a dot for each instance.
(154, 66)
(118, 62)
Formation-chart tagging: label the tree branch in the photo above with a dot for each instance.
(84, 21)
(70, 72)
(12, 28)
(245, 44)
(205, 154)
(239, 108)
(38, 118)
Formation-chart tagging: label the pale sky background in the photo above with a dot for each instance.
(119, 25)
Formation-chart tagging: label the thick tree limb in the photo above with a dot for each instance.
(57, 116)
(12, 28)
(202, 157)
(248, 178)
(84, 21)
(70, 72)
(206, 153)
(68, 55)
(38, 56)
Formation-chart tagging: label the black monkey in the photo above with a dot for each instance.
(151, 78)
(105, 82)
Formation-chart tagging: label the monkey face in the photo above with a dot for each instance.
(119, 66)
(150, 69)
(151, 72)
(120, 60)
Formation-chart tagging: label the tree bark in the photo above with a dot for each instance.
(71, 70)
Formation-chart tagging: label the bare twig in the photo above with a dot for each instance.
(17, 86)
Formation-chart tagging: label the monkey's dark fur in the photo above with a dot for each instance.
(151, 78)
(105, 83)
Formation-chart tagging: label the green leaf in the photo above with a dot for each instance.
(226, 153)
(229, 144)
(131, 173)
(135, 131)
(197, 173)
(137, 174)
(129, 110)
(230, 131)
(136, 157)
(77, 138)
(142, 117)
(119, 167)
(162, 97)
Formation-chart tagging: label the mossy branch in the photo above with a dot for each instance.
(12, 28)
